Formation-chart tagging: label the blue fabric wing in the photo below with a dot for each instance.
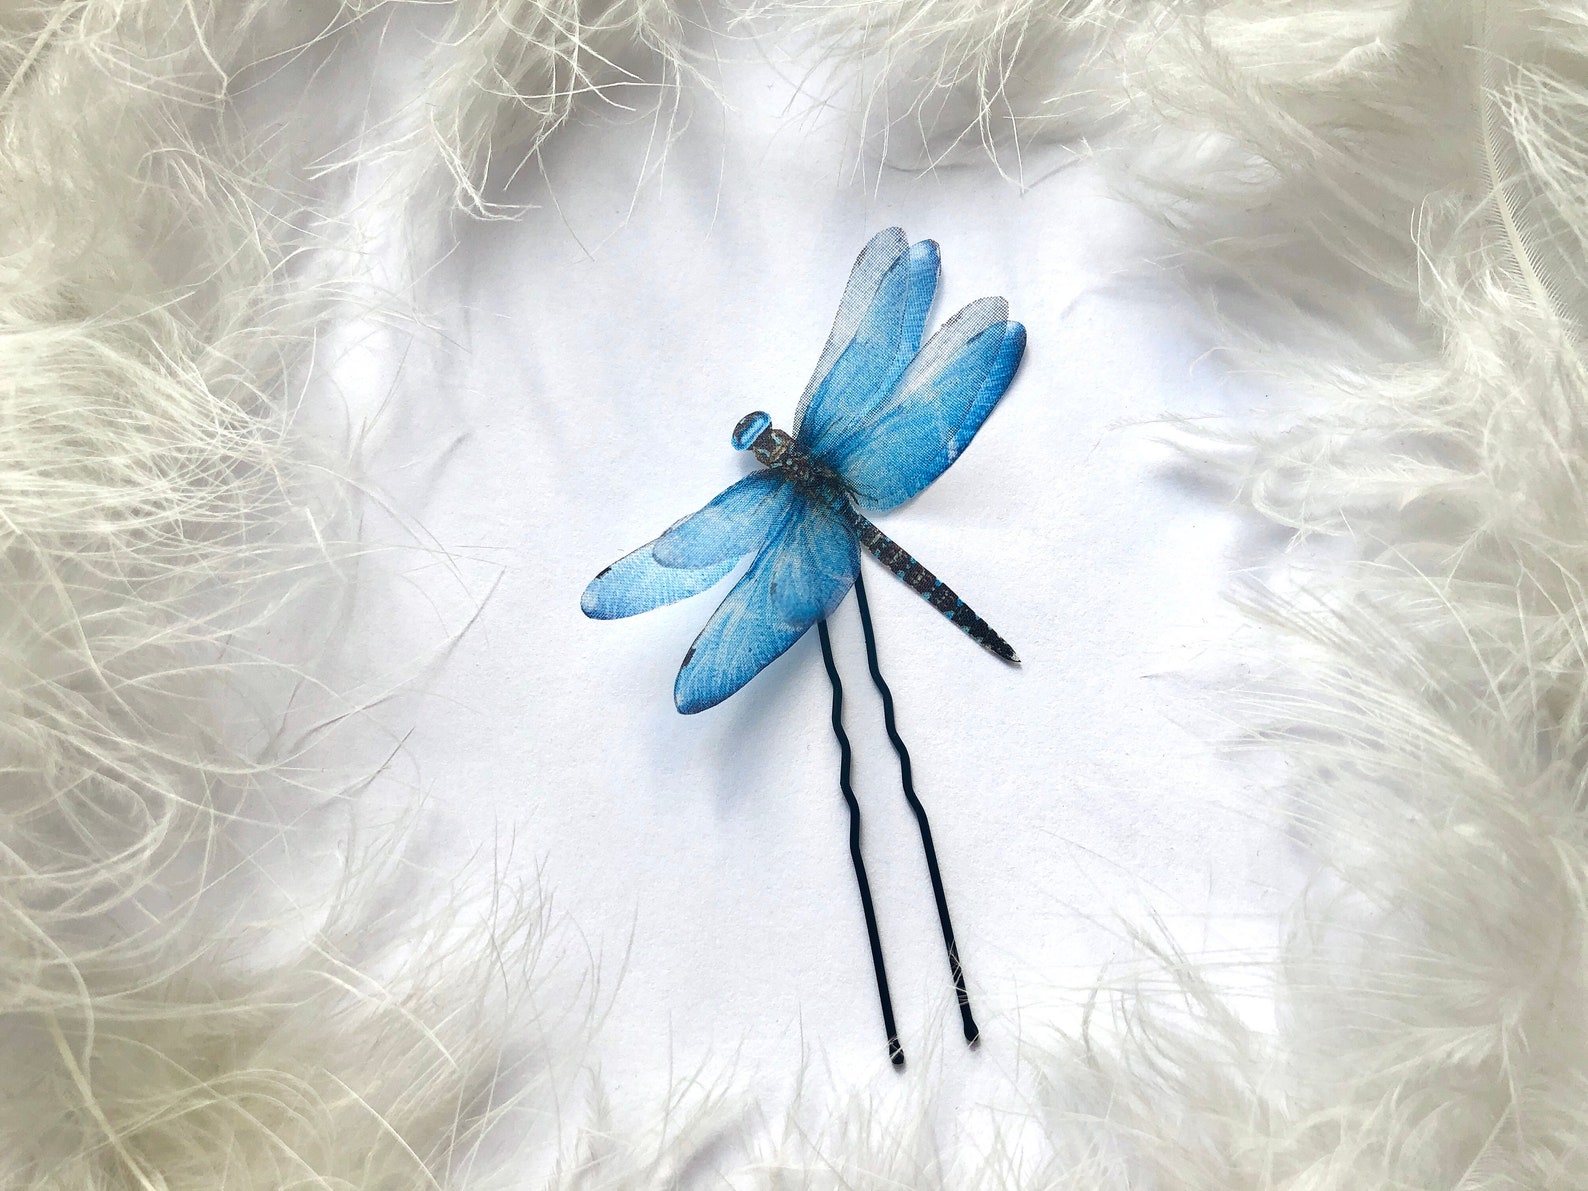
(876, 332)
(734, 523)
(638, 583)
(938, 405)
(801, 575)
(693, 554)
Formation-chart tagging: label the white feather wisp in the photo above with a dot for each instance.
(1382, 202)
(170, 749)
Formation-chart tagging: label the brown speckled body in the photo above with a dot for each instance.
(776, 449)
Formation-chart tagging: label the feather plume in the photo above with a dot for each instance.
(949, 79)
(167, 530)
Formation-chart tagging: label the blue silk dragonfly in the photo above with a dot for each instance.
(880, 419)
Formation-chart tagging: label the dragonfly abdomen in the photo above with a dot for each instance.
(928, 586)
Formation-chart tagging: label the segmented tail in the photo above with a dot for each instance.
(928, 586)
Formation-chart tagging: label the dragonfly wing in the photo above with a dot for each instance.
(734, 523)
(801, 575)
(638, 583)
(935, 410)
(694, 553)
(866, 276)
(876, 332)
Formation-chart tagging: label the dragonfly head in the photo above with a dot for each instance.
(749, 429)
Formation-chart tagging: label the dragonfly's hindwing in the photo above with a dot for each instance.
(929, 587)
(801, 574)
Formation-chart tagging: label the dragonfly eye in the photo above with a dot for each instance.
(749, 429)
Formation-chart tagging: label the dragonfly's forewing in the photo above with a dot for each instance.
(735, 522)
(638, 583)
(694, 553)
(935, 410)
(876, 332)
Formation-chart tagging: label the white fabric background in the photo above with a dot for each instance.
(574, 394)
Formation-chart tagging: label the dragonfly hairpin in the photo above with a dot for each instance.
(881, 418)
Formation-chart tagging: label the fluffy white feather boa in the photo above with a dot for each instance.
(1387, 202)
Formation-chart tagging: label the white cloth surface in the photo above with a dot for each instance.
(575, 395)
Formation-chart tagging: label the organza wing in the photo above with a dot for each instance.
(876, 332)
(694, 553)
(735, 522)
(801, 575)
(638, 583)
(936, 409)
(866, 275)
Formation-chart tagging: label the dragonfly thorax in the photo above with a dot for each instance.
(776, 449)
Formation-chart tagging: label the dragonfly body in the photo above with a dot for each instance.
(929, 587)
(881, 418)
